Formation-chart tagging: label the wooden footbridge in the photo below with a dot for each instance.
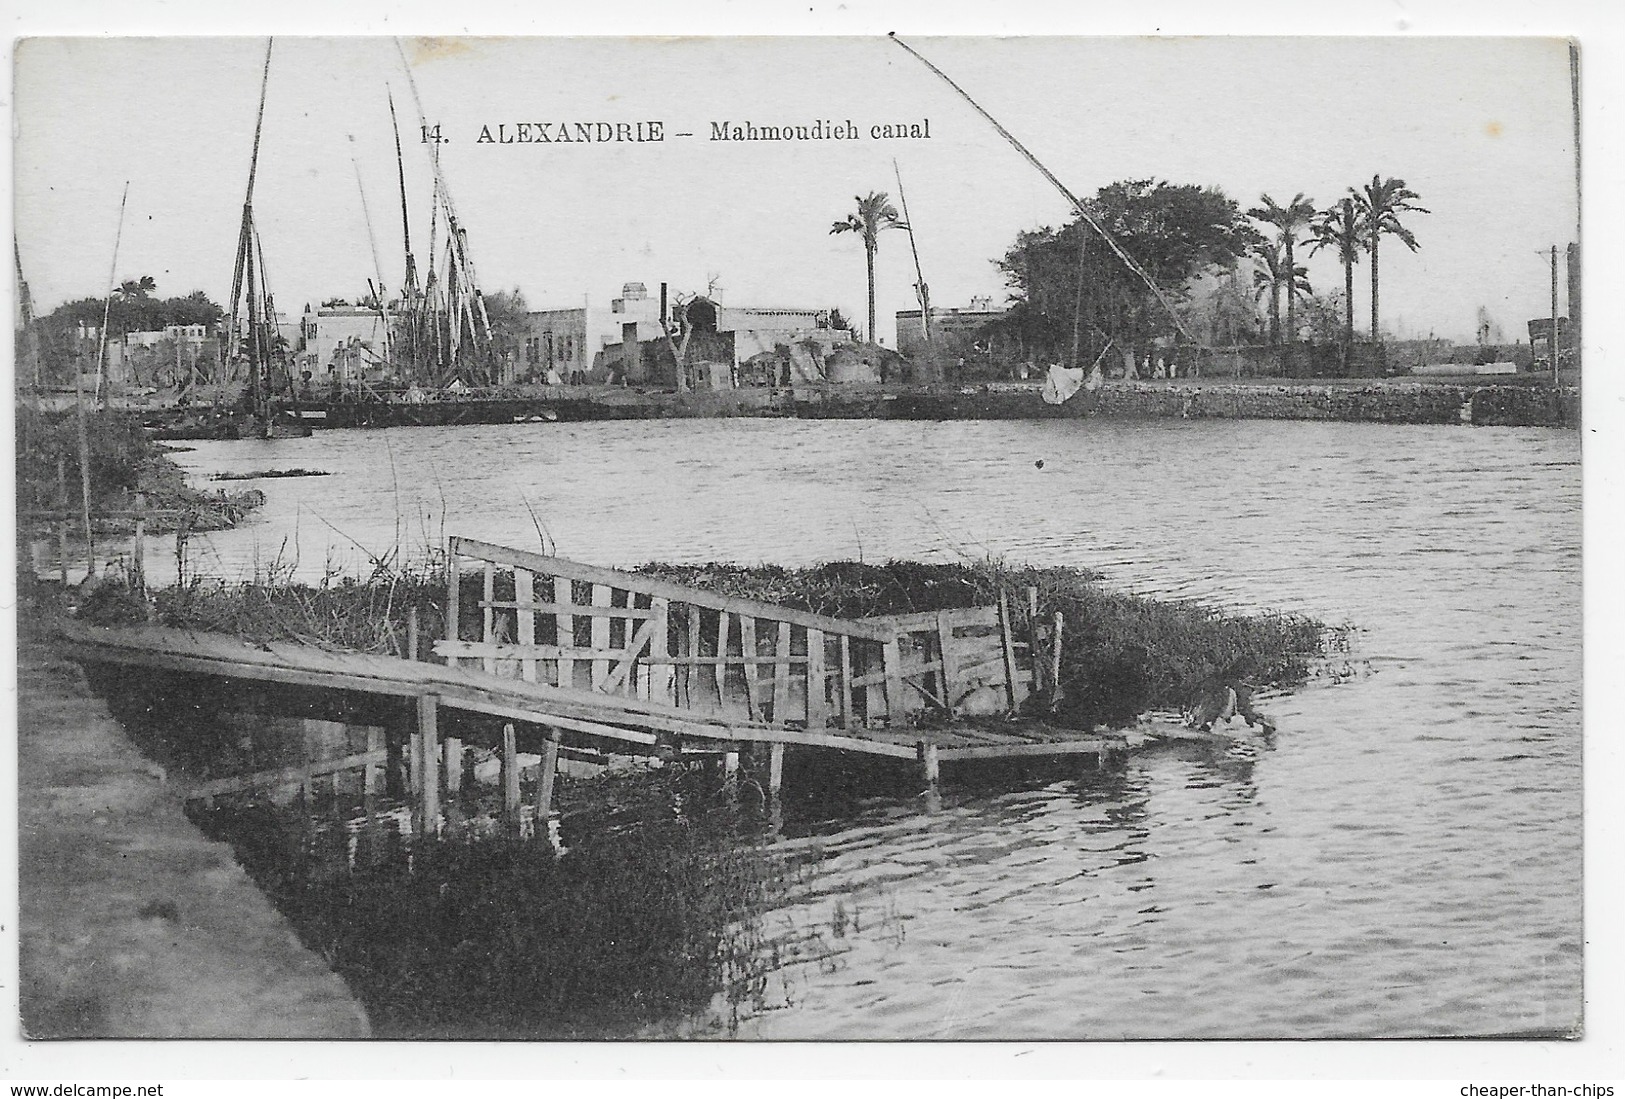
(602, 661)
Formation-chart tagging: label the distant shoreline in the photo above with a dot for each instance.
(1514, 401)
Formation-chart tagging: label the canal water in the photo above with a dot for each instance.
(1402, 858)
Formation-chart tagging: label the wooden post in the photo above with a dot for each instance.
(62, 550)
(781, 676)
(600, 636)
(848, 718)
(139, 577)
(775, 769)
(817, 692)
(660, 674)
(488, 619)
(749, 651)
(892, 657)
(722, 661)
(453, 597)
(1056, 625)
(372, 776)
(510, 775)
(427, 754)
(1033, 643)
(564, 625)
(1009, 649)
(945, 650)
(452, 767)
(524, 592)
(928, 761)
(549, 768)
(412, 632)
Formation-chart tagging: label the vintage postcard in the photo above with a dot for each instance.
(854, 538)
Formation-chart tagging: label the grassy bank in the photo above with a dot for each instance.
(122, 462)
(1123, 654)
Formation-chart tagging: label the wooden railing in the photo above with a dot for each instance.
(567, 624)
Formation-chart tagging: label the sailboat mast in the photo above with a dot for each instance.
(107, 309)
(245, 232)
(921, 290)
(406, 222)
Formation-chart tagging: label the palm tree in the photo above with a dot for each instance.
(1288, 220)
(1379, 205)
(1270, 277)
(137, 288)
(1339, 226)
(873, 215)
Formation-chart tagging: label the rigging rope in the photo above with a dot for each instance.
(1077, 204)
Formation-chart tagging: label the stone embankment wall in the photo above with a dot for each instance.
(1390, 403)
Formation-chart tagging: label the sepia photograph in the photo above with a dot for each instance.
(752, 539)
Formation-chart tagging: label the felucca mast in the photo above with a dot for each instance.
(242, 278)
(921, 290)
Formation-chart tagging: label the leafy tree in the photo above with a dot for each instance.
(1323, 316)
(1288, 221)
(837, 320)
(1379, 204)
(1339, 227)
(1174, 232)
(507, 310)
(874, 215)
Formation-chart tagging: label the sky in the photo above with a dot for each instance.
(1481, 128)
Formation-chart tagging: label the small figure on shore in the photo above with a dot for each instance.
(1222, 697)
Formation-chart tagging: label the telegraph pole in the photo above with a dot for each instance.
(1554, 316)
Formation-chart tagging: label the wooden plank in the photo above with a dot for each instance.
(678, 593)
(945, 659)
(928, 621)
(621, 676)
(817, 691)
(1023, 751)
(1033, 641)
(565, 623)
(896, 710)
(489, 628)
(508, 651)
(453, 594)
(712, 661)
(749, 654)
(524, 593)
(723, 618)
(600, 636)
(848, 718)
(370, 761)
(691, 647)
(1007, 651)
(569, 608)
(660, 678)
(781, 675)
(1055, 635)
